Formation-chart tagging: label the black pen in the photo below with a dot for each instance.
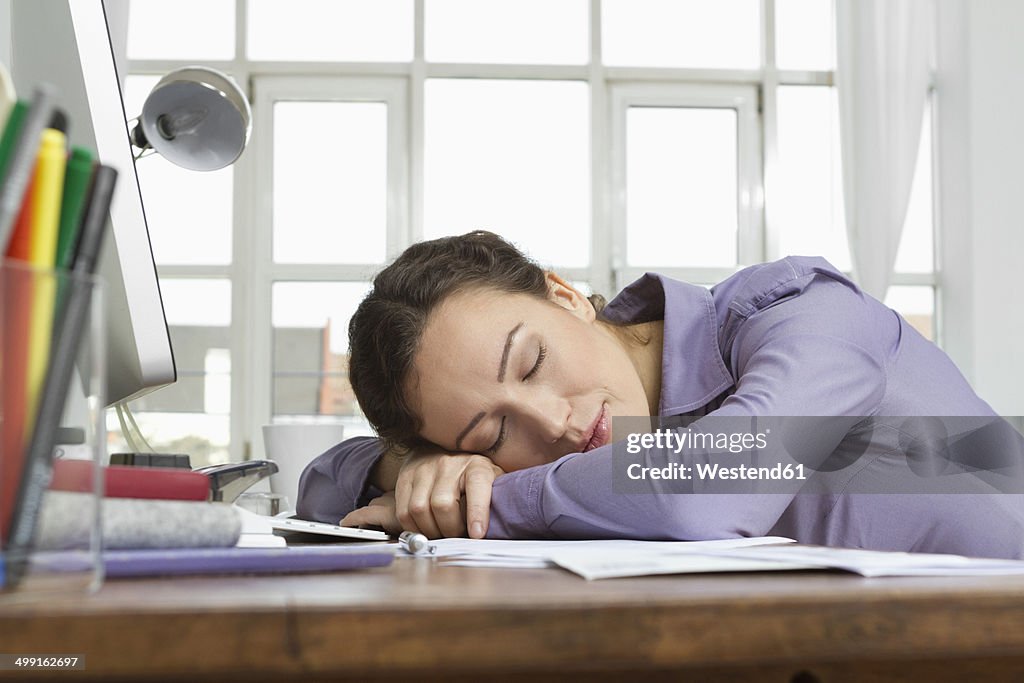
(70, 323)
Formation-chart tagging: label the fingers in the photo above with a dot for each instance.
(478, 478)
(373, 515)
(447, 512)
(413, 506)
(429, 495)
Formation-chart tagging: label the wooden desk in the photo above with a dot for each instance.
(454, 624)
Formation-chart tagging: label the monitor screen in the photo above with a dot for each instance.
(68, 44)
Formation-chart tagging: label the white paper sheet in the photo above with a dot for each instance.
(873, 563)
(466, 552)
(622, 558)
(592, 566)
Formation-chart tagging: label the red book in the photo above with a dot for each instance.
(164, 483)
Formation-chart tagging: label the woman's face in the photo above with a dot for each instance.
(520, 379)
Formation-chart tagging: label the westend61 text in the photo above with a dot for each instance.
(709, 472)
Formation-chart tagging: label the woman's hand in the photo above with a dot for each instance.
(430, 491)
(379, 513)
(432, 487)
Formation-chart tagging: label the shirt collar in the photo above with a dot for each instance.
(692, 370)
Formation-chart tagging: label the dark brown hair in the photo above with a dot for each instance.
(385, 331)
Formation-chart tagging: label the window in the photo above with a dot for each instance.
(688, 159)
(192, 415)
(675, 135)
(723, 34)
(510, 156)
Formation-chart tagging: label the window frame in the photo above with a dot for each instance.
(265, 273)
(742, 99)
(251, 271)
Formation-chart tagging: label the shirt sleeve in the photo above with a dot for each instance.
(337, 481)
(821, 353)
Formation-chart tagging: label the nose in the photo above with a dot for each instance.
(547, 416)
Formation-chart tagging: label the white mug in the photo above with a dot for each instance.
(292, 447)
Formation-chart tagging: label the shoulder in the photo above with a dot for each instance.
(760, 286)
(800, 296)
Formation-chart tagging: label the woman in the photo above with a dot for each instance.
(492, 385)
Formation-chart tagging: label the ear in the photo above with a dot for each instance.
(568, 297)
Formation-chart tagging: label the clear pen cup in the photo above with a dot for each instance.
(50, 479)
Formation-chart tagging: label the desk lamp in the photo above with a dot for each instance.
(195, 117)
(199, 119)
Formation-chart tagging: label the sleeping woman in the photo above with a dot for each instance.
(492, 385)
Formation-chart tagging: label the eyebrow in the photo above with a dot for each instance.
(504, 354)
(472, 423)
(501, 378)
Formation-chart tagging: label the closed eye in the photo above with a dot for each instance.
(541, 355)
(501, 439)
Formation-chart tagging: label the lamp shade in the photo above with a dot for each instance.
(197, 118)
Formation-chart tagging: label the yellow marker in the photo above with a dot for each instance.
(46, 201)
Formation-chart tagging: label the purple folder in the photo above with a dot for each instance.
(182, 561)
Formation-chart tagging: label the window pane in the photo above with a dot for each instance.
(330, 193)
(808, 196)
(916, 252)
(184, 29)
(136, 89)
(512, 157)
(681, 186)
(196, 302)
(310, 365)
(189, 214)
(204, 438)
(330, 30)
(917, 305)
(806, 32)
(724, 34)
(507, 31)
(192, 415)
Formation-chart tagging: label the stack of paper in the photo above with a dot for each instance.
(256, 531)
(465, 552)
(622, 558)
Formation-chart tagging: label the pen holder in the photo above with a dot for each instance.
(52, 431)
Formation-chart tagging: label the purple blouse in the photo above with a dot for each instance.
(793, 337)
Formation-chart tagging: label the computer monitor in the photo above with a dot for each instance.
(67, 43)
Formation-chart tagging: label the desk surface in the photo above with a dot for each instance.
(536, 625)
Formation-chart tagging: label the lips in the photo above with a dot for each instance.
(599, 432)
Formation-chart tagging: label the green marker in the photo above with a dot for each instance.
(76, 186)
(10, 134)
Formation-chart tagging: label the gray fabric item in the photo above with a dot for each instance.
(67, 518)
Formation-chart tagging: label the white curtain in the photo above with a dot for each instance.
(882, 80)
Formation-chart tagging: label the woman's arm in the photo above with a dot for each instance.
(346, 477)
(438, 493)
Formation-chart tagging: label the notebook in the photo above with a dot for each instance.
(195, 561)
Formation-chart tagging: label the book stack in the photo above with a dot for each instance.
(54, 203)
